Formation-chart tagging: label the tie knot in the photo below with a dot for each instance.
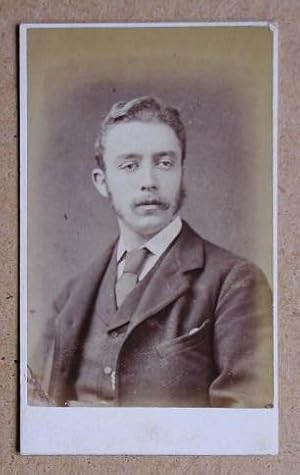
(134, 260)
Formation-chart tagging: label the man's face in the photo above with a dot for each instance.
(143, 175)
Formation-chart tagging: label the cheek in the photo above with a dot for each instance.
(121, 191)
(122, 180)
(171, 183)
(117, 184)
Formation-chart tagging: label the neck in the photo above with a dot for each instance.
(132, 239)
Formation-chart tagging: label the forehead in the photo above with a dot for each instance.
(138, 137)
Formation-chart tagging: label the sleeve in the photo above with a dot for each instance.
(243, 348)
(42, 359)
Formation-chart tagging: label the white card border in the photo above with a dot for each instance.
(157, 431)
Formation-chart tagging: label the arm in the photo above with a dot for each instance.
(42, 361)
(243, 340)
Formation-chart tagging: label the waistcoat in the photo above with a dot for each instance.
(100, 350)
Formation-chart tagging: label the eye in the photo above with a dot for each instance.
(165, 163)
(129, 166)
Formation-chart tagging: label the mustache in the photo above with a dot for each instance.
(151, 201)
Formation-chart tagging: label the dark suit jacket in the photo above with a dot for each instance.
(201, 335)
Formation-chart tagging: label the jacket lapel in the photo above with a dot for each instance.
(172, 277)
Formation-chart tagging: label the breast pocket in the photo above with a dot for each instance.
(186, 342)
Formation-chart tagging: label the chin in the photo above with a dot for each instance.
(151, 228)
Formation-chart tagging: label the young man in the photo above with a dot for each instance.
(163, 317)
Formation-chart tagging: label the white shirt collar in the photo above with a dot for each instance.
(158, 243)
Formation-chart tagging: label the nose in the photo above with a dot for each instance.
(148, 178)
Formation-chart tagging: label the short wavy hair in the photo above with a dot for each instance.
(145, 109)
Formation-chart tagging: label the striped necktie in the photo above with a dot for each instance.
(134, 261)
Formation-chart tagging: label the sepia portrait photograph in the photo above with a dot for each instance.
(148, 238)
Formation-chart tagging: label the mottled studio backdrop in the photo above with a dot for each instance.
(221, 81)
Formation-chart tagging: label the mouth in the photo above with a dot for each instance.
(152, 204)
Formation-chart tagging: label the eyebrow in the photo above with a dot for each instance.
(137, 156)
(166, 153)
(128, 156)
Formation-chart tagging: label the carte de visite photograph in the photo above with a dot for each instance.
(148, 312)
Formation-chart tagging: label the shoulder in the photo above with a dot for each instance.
(78, 289)
(220, 263)
(85, 279)
(235, 267)
(227, 261)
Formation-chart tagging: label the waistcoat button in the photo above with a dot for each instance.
(107, 370)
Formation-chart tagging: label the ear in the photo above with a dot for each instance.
(99, 180)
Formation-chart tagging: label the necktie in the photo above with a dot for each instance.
(134, 262)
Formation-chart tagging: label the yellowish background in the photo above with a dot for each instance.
(221, 80)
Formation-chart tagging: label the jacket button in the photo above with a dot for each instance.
(107, 370)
